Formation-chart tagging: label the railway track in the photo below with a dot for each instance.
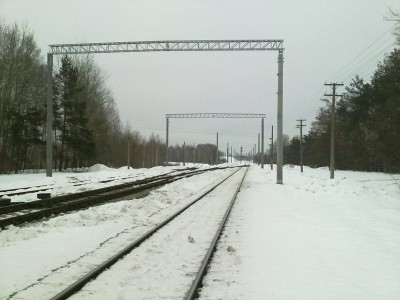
(191, 290)
(48, 187)
(35, 210)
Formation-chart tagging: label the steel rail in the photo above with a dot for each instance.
(69, 197)
(197, 282)
(87, 199)
(75, 287)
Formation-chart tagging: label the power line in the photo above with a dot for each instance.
(347, 65)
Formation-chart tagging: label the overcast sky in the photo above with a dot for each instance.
(324, 41)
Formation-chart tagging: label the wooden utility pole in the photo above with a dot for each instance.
(333, 117)
(301, 125)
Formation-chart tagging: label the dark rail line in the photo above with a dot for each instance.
(75, 287)
(197, 282)
(61, 204)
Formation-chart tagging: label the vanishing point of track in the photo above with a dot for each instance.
(192, 293)
(36, 210)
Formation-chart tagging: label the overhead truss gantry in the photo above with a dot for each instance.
(216, 115)
(173, 45)
(152, 46)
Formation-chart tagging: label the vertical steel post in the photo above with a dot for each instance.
(262, 143)
(166, 149)
(217, 156)
(279, 158)
(49, 119)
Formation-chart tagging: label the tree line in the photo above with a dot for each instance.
(367, 133)
(86, 129)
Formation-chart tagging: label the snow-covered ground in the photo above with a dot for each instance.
(310, 238)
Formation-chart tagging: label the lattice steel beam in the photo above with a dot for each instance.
(153, 46)
(215, 115)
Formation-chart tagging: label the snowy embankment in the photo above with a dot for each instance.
(310, 238)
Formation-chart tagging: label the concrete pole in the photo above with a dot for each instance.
(227, 153)
(262, 143)
(258, 153)
(279, 158)
(217, 154)
(184, 144)
(129, 152)
(49, 119)
(272, 148)
(166, 138)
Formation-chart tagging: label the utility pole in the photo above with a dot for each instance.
(333, 117)
(166, 142)
(241, 151)
(227, 153)
(217, 156)
(231, 154)
(258, 154)
(184, 144)
(129, 152)
(272, 148)
(262, 143)
(301, 125)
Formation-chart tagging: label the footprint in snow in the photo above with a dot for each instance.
(191, 239)
(230, 249)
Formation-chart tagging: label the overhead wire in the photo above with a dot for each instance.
(359, 65)
(357, 57)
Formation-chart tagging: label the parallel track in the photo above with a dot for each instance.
(36, 210)
(192, 293)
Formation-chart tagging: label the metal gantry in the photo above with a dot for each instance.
(156, 46)
(152, 46)
(215, 115)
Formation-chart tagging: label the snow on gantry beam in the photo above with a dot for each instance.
(152, 46)
(215, 115)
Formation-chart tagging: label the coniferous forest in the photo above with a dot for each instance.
(87, 128)
(367, 133)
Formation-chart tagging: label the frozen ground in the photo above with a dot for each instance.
(310, 238)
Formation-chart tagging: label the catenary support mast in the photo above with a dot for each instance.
(156, 46)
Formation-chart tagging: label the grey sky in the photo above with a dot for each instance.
(321, 38)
